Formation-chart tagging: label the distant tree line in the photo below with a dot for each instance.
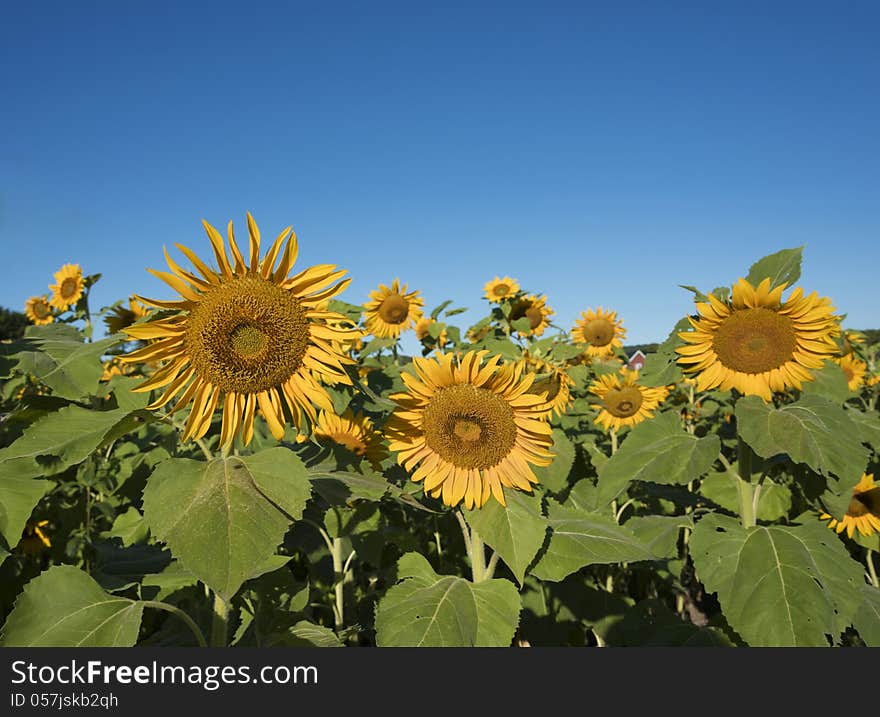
(12, 324)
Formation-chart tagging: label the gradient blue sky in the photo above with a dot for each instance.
(599, 152)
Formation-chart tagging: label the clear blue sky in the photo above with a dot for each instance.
(599, 152)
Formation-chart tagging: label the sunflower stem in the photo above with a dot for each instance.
(181, 615)
(478, 557)
(869, 559)
(744, 485)
(219, 622)
(490, 568)
(613, 434)
(338, 579)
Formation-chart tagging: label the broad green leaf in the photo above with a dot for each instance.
(869, 427)
(813, 431)
(515, 532)
(158, 586)
(69, 367)
(64, 607)
(129, 527)
(660, 369)
(430, 610)
(223, 518)
(652, 624)
(783, 267)
(829, 382)
(660, 532)
(867, 617)
(307, 634)
(121, 388)
(659, 451)
(64, 438)
(580, 538)
(19, 495)
(774, 500)
(555, 476)
(781, 586)
(502, 347)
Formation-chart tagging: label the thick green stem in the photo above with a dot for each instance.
(219, 622)
(872, 571)
(181, 615)
(744, 485)
(613, 434)
(339, 579)
(478, 557)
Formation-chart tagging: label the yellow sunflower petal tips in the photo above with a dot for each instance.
(246, 337)
(625, 402)
(863, 512)
(600, 330)
(550, 381)
(68, 286)
(34, 538)
(392, 310)
(499, 289)
(120, 317)
(756, 342)
(854, 369)
(39, 310)
(355, 432)
(468, 426)
(535, 309)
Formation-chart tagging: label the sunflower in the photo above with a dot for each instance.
(850, 339)
(39, 310)
(423, 331)
(355, 432)
(535, 309)
(471, 427)
(120, 317)
(863, 511)
(854, 369)
(872, 381)
(68, 286)
(550, 381)
(600, 330)
(624, 401)
(246, 337)
(757, 343)
(499, 289)
(392, 310)
(33, 539)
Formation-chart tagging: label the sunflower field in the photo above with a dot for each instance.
(257, 463)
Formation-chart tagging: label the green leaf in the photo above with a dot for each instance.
(436, 312)
(659, 451)
(64, 607)
(429, 610)
(555, 476)
(829, 382)
(19, 495)
(220, 519)
(64, 438)
(867, 617)
(129, 527)
(307, 634)
(783, 267)
(69, 367)
(813, 431)
(868, 425)
(652, 624)
(660, 369)
(774, 500)
(780, 586)
(515, 532)
(580, 538)
(660, 532)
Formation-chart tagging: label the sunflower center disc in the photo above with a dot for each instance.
(599, 332)
(394, 309)
(534, 316)
(469, 427)
(41, 310)
(501, 290)
(755, 340)
(68, 287)
(865, 503)
(247, 335)
(623, 402)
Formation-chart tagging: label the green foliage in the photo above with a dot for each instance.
(783, 267)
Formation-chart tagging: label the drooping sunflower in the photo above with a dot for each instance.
(625, 402)
(854, 369)
(392, 310)
(551, 381)
(68, 286)
(850, 340)
(471, 427)
(600, 330)
(756, 342)
(39, 310)
(121, 317)
(863, 512)
(246, 336)
(535, 309)
(355, 432)
(423, 331)
(34, 539)
(498, 289)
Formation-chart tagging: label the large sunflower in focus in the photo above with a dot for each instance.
(471, 427)
(863, 512)
(756, 342)
(68, 286)
(39, 310)
(551, 381)
(392, 310)
(246, 336)
(535, 309)
(120, 317)
(498, 289)
(355, 432)
(600, 330)
(854, 369)
(625, 402)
